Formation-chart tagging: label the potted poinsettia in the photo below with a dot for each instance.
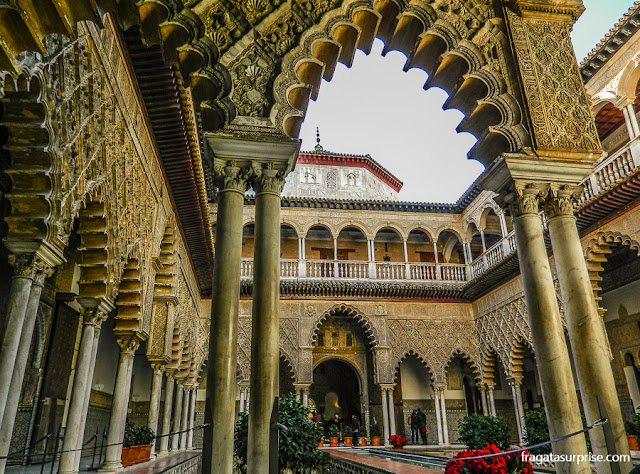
(463, 462)
(398, 441)
(333, 435)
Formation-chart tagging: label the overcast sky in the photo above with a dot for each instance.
(378, 109)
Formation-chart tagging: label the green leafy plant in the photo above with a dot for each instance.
(536, 430)
(374, 429)
(135, 435)
(476, 431)
(347, 432)
(333, 430)
(298, 447)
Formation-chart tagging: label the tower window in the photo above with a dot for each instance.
(332, 180)
(320, 339)
(334, 339)
(349, 340)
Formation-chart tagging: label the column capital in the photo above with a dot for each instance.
(387, 386)
(158, 368)
(94, 316)
(438, 387)
(302, 386)
(560, 200)
(170, 373)
(527, 198)
(231, 177)
(514, 381)
(268, 180)
(490, 386)
(31, 266)
(129, 344)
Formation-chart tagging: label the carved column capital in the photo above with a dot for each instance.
(170, 373)
(526, 199)
(438, 387)
(158, 368)
(268, 180)
(560, 200)
(30, 266)
(94, 316)
(514, 381)
(232, 178)
(129, 344)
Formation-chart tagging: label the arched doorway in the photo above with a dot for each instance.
(336, 389)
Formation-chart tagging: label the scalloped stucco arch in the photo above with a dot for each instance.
(412, 353)
(597, 250)
(464, 53)
(473, 363)
(365, 322)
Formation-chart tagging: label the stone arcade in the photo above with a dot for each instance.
(131, 131)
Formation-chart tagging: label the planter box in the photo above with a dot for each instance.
(633, 443)
(333, 441)
(375, 441)
(348, 440)
(362, 440)
(135, 455)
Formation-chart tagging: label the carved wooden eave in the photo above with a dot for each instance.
(615, 39)
(175, 129)
(549, 10)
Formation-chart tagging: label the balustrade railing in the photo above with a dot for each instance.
(494, 255)
(607, 174)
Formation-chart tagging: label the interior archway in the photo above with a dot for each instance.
(336, 389)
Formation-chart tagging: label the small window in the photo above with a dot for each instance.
(320, 339)
(334, 339)
(349, 340)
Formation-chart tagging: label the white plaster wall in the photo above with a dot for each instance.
(626, 296)
(416, 384)
(141, 379)
(104, 376)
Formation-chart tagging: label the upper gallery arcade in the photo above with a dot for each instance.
(124, 121)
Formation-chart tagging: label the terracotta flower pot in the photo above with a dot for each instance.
(375, 441)
(321, 443)
(348, 440)
(362, 440)
(633, 443)
(398, 448)
(333, 441)
(135, 455)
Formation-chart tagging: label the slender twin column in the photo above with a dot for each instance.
(265, 339)
(552, 357)
(39, 271)
(305, 395)
(120, 404)
(491, 400)
(186, 416)
(585, 326)
(81, 391)
(243, 399)
(392, 413)
(166, 414)
(177, 414)
(630, 374)
(483, 399)
(436, 402)
(221, 367)
(443, 415)
(154, 402)
(192, 416)
(385, 415)
(515, 384)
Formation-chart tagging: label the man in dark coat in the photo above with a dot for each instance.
(355, 426)
(414, 421)
(422, 425)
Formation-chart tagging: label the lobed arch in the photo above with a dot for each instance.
(629, 79)
(411, 352)
(515, 367)
(473, 363)
(597, 250)
(292, 367)
(465, 53)
(365, 322)
(362, 377)
(450, 229)
(488, 362)
(486, 210)
(294, 225)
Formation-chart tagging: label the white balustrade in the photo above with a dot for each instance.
(289, 268)
(422, 271)
(320, 269)
(246, 268)
(607, 174)
(353, 270)
(390, 270)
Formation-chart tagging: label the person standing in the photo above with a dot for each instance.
(422, 425)
(355, 427)
(414, 423)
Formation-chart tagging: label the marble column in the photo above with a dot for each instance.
(177, 415)
(629, 113)
(154, 402)
(392, 413)
(15, 386)
(120, 403)
(491, 400)
(166, 413)
(436, 402)
(184, 425)
(515, 384)
(443, 413)
(543, 315)
(372, 259)
(585, 326)
(385, 416)
(483, 399)
(241, 404)
(484, 242)
(265, 325)
(407, 268)
(17, 300)
(81, 390)
(217, 453)
(192, 416)
(305, 395)
(335, 258)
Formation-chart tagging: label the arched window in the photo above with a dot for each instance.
(334, 339)
(351, 179)
(320, 339)
(349, 340)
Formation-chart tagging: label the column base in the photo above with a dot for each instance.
(162, 454)
(113, 466)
